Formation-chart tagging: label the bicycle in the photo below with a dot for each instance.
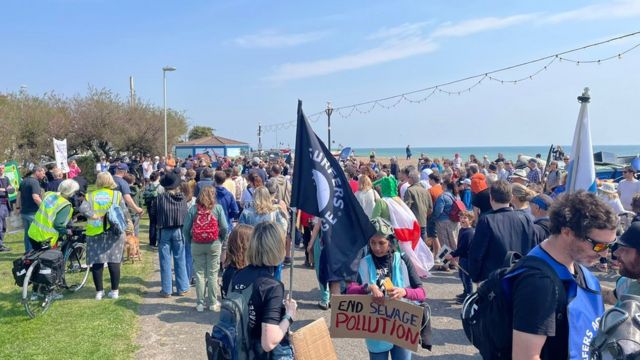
(38, 297)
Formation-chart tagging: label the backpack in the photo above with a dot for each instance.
(487, 315)
(619, 334)
(205, 227)
(150, 194)
(457, 207)
(115, 218)
(229, 338)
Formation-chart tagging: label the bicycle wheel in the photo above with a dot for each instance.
(37, 298)
(76, 270)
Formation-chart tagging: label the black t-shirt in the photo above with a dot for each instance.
(482, 201)
(228, 274)
(28, 187)
(267, 300)
(535, 301)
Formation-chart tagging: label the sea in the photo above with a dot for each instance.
(509, 152)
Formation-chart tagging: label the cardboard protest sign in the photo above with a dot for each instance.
(12, 173)
(60, 150)
(313, 342)
(357, 316)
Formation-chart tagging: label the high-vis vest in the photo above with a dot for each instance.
(584, 309)
(100, 201)
(41, 228)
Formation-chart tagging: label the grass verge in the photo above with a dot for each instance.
(78, 326)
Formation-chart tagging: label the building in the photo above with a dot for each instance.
(211, 145)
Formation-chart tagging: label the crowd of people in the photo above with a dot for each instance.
(233, 215)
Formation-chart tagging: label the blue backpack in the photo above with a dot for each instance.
(114, 220)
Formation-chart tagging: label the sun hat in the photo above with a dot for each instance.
(383, 227)
(519, 173)
(608, 187)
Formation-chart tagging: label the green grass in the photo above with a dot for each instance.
(78, 326)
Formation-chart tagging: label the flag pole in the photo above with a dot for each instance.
(294, 221)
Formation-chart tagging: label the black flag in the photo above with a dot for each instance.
(320, 188)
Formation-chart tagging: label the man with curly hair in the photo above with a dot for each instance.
(555, 319)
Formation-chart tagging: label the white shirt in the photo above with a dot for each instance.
(147, 169)
(627, 189)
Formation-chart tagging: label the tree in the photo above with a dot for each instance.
(199, 132)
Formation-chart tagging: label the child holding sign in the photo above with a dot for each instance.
(386, 272)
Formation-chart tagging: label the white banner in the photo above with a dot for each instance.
(60, 149)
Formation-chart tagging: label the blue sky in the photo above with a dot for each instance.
(240, 62)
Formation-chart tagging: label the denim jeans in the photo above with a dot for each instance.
(397, 353)
(206, 263)
(172, 244)
(27, 219)
(325, 295)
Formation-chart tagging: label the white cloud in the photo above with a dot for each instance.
(406, 29)
(609, 10)
(272, 39)
(473, 26)
(389, 51)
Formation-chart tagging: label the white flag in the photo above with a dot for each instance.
(581, 172)
(60, 149)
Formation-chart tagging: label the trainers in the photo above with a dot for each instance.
(35, 296)
(99, 295)
(287, 261)
(199, 308)
(4, 248)
(323, 305)
(114, 294)
(56, 296)
(215, 307)
(180, 293)
(165, 295)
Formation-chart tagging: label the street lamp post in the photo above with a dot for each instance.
(164, 88)
(329, 111)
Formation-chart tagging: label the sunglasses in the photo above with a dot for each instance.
(599, 246)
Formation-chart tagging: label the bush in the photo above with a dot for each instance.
(88, 166)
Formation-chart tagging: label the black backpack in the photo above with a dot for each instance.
(619, 333)
(229, 338)
(487, 314)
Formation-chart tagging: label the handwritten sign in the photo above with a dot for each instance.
(60, 150)
(357, 316)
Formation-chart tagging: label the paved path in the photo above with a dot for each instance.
(172, 329)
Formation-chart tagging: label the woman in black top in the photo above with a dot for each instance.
(270, 316)
(171, 211)
(236, 254)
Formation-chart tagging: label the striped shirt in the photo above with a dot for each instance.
(172, 209)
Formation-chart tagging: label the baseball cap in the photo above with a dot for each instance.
(631, 237)
(123, 166)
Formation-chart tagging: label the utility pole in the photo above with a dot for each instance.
(329, 111)
(259, 138)
(132, 93)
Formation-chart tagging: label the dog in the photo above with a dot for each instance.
(132, 248)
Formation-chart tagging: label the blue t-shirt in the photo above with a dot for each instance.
(123, 186)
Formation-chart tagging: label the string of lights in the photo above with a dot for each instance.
(422, 95)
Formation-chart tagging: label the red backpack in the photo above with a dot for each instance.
(205, 227)
(457, 207)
